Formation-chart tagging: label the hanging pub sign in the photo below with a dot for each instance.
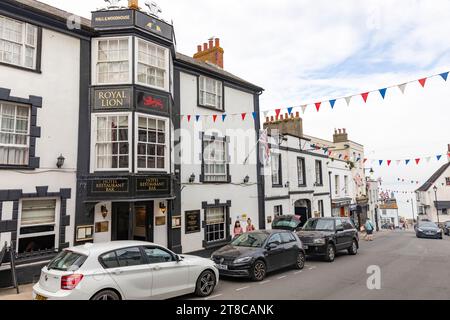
(112, 18)
(152, 102)
(158, 185)
(109, 186)
(192, 221)
(117, 98)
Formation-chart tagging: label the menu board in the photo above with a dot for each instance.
(192, 221)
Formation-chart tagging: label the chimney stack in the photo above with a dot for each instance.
(212, 52)
(340, 135)
(285, 124)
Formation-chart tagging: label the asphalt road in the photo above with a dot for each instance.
(411, 268)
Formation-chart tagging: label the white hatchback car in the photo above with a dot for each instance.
(124, 270)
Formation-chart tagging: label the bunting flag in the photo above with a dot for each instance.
(365, 160)
(389, 163)
(214, 117)
(422, 82)
(243, 115)
(224, 117)
(417, 161)
(398, 162)
(197, 117)
(318, 104)
(407, 161)
(255, 115)
(438, 157)
(365, 96)
(381, 162)
(332, 103)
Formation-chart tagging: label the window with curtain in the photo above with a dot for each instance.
(112, 145)
(215, 160)
(319, 178)
(346, 185)
(37, 212)
(152, 144)
(14, 134)
(152, 67)
(113, 61)
(336, 185)
(210, 93)
(276, 169)
(301, 171)
(18, 43)
(215, 224)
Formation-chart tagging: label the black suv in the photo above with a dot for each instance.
(447, 228)
(326, 236)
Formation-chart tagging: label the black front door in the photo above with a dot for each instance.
(143, 221)
(302, 212)
(121, 221)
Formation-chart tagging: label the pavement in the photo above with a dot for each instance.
(411, 269)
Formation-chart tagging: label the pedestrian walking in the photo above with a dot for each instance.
(369, 230)
(250, 226)
(238, 229)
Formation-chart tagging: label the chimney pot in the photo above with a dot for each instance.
(344, 130)
(205, 46)
(292, 116)
(199, 48)
(217, 44)
(286, 116)
(211, 42)
(449, 147)
(340, 131)
(281, 117)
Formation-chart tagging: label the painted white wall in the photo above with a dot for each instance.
(103, 236)
(58, 84)
(243, 138)
(160, 232)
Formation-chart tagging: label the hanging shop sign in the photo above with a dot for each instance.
(152, 102)
(117, 98)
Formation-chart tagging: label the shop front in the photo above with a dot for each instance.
(341, 207)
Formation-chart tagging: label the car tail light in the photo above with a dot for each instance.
(70, 282)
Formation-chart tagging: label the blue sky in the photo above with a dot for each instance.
(303, 51)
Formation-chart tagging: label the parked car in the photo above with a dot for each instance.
(254, 254)
(447, 228)
(124, 270)
(429, 230)
(288, 222)
(326, 236)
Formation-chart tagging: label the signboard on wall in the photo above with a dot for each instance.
(152, 102)
(153, 184)
(192, 221)
(112, 18)
(117, 98)
(153, 25)
(109, 186)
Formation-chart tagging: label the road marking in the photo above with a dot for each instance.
(264, 282)
(282, 277)
(212, 297)
(240, 289)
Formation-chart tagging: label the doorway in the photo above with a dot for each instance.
(132, 221)
(303, 210)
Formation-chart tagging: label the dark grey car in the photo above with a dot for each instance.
(429, 230)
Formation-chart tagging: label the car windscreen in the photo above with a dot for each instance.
(67, 261)
(250, 240)
(428, 225)
(319, 225)
(285, 223)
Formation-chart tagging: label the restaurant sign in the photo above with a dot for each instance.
(152, 102)
(110, 186)
(118, 98)
(153, 184)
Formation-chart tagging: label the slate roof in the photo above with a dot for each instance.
(427, 185)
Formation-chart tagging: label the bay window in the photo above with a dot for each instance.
(152, 65)
(210, 93)
(152, 140)
(112, 60)
(14, 134)
(112, 141)
(215, 160)
(18, 43)
(38, 226)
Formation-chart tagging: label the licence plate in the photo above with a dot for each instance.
(306, 247)
(39, 297)
(222, 267)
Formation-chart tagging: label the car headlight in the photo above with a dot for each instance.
(420, 230)
(243, 260)
(319, 241)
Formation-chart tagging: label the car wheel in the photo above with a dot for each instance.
(353, 250)
(205, 284)
(300, 263)
(330, 253)
(258, 271)
(106, 295)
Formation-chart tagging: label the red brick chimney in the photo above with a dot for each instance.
(211, 52)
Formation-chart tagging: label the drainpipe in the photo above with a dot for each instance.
(331, 193)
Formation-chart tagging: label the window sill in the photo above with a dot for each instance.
(38, 71)
(302, 185)
(15, 167)
(211, 108)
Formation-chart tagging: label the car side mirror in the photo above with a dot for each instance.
(177, 258)
(273, 245)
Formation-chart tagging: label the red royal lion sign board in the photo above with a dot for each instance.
(152, 102)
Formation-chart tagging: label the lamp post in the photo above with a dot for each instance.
(412, 208)
(436, 204)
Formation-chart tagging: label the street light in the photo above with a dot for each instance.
(412, 207)
(436, 204)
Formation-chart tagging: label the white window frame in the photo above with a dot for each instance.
(209, 226)
(95, 61)
(219, 93)
(346, 186)
(207, 161)
(24, 44)
(56, 224)
(17, 146)
(94, 167)
(337, 185)
(275, 157)
(278, 210)
(136, 142)
(167, 71)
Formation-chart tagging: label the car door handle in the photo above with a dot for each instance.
(117, 272)
(156, 268)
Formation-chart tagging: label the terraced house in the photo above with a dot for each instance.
(94, 146)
